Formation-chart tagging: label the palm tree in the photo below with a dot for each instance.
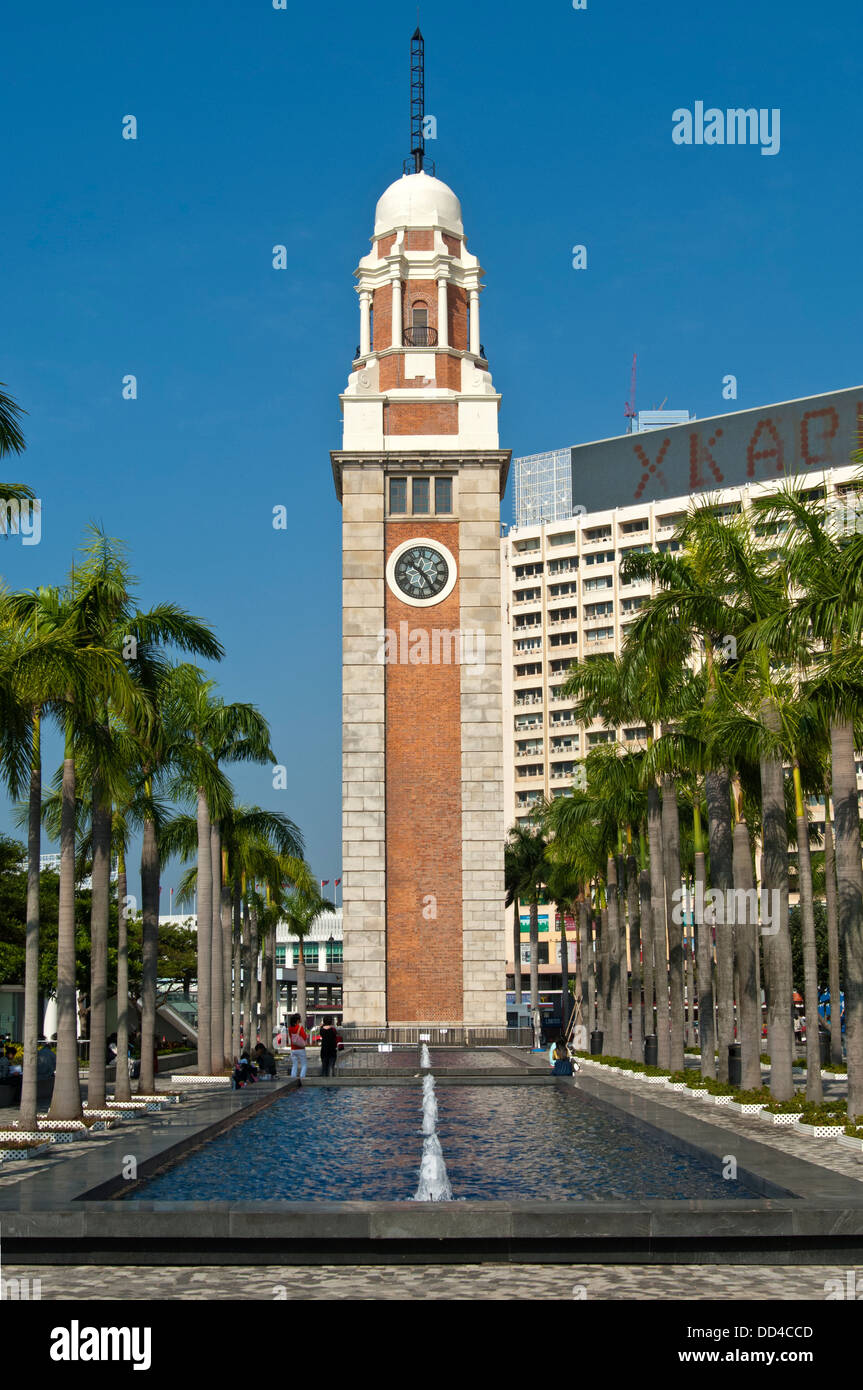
(265, 845)
(525, 872)
(11, 437)
(300, 910)
(192, 708)
(825, 573)
(37, 662)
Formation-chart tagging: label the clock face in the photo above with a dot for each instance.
(421, 572)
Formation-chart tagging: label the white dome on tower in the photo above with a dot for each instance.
(418, 200)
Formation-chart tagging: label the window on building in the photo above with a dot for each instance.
(281, 951)
(600, 557)
(398, 495)
(563, 538)
(334, 953)
(420, 496)
(443, 495)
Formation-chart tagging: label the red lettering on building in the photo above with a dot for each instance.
(824, 436)
(700, 454)
(755, 455)
(651, 469)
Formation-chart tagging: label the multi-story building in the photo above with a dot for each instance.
(563, 600)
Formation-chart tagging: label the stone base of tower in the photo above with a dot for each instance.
(364, 994)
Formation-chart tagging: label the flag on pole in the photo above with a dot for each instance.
(336, 882)
(324, 882)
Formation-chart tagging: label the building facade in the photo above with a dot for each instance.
(420, 476)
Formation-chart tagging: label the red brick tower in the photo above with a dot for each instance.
(420, 476)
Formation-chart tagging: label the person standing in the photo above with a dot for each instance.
(329, 1048)
(299, 1038)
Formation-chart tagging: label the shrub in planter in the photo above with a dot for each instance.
(717, 1088)
(758, 1095)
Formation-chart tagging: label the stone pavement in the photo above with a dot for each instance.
(458, 1283)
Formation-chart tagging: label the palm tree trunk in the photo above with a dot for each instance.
(814, 1089)
(66, 1100)
(534, 956)
(602, 994)
(266, 1032)
(32, 1022)
(777, 940)
(849, 880)
(632, 900)
(564, 974)
(671, 862)
(205, 938)
(150, 871)
(99, 915)
(720, 840)
(122, 1083)
(227, 964)
(247, 978)
(275, 992)
(253, 976)
(516, 954)
(217, 968)
(647, 952)
(582, 978)
(704, 940)
(832, 934)
(613, 1045)
(746, 939)
(623, 966)
(301, 983)
(659, 928)
(238, 969)
(592, 966)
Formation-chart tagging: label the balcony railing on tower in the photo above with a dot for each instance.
(420, 335)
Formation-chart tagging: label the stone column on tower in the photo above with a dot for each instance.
(420, 475)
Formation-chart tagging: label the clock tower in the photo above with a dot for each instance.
(420, 476)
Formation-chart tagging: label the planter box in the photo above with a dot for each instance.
(722, 1100)
(848, 1141)
(785, 1118)
(201, 1081)
(656, 1080)
(31, 1151)
(821, 1131)
(678, 1086)
(747, 1107)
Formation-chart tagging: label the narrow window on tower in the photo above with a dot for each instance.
(420, 495)
(443, 494)
(398, 495)
(420, 325)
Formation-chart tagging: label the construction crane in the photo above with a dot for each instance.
(629, 408)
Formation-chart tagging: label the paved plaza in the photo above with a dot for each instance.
(460, 1283)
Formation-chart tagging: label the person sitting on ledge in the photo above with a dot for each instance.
(561, 1062)
(265, 1060)
(244, 1072)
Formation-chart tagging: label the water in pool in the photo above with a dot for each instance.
(503, 1142)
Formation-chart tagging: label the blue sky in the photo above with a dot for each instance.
(259, 126)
